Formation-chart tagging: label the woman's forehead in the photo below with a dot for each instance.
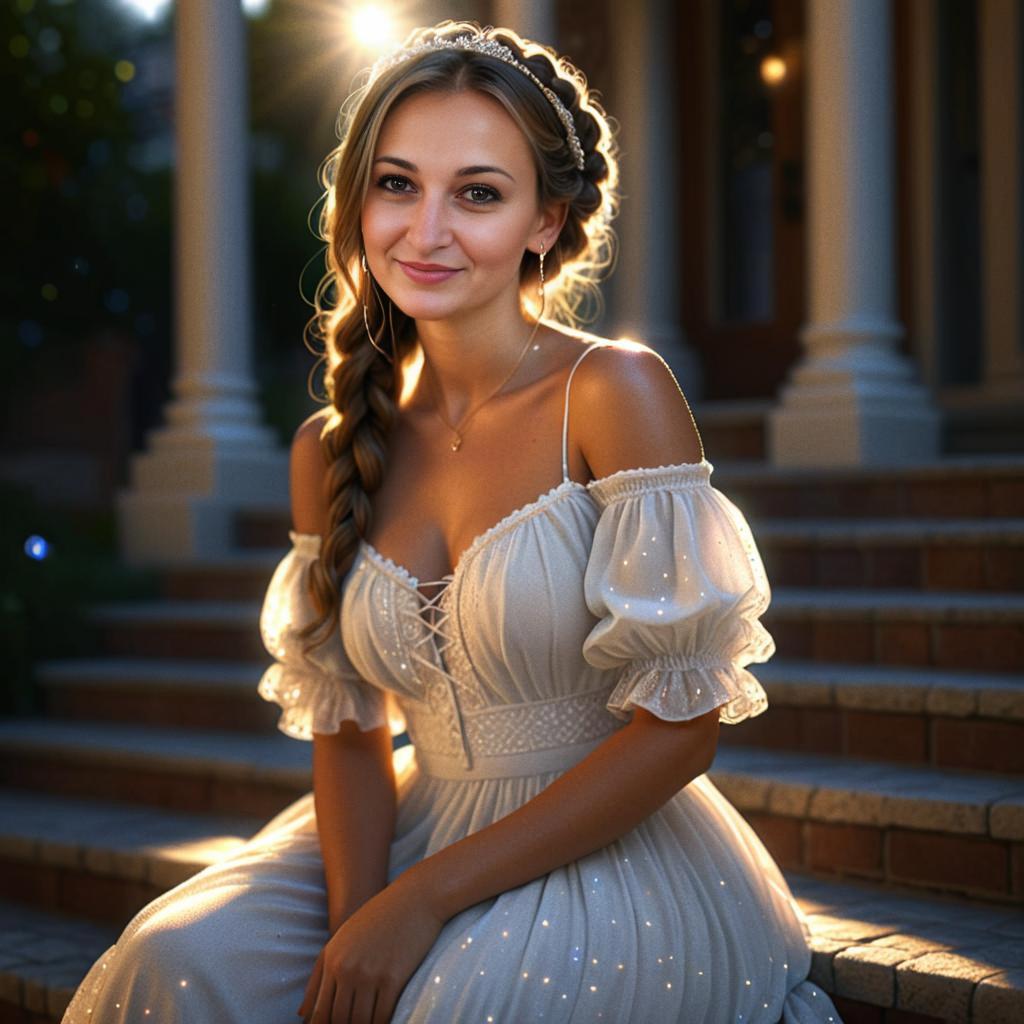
(441, 129)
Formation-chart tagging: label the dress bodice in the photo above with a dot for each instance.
(641, 588)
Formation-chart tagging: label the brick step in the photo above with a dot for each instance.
(960, 554)
(941, 554)
(104, 860)
(908, 825)
(962, 487)
(241, 575)
(43, 957)
(887, 956)
(158, 691)
(187, 770)
(945, 629)
(179, 629)
(876, 954)
(969, 720)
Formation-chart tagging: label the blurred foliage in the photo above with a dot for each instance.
(43, 600)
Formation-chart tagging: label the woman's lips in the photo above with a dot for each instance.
(426, 276)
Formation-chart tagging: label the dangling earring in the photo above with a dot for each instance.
(366, 318)
(540, 291)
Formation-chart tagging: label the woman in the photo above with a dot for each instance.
(550, 847)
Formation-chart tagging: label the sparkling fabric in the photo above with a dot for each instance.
(641, 589)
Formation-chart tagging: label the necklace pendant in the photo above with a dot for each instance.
(456, 444)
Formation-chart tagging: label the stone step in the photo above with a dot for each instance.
(158, 691)
(104, 860)
(872, 951)
(186, 770)
(940, 554)
(971, 720)
(910, 825)
(944, 629)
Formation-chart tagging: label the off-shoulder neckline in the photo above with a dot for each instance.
(605, 487)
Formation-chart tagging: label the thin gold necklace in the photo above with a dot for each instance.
(457, 443)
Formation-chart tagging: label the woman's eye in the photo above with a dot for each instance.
(481, 195)
(487, 191)
(389, 177)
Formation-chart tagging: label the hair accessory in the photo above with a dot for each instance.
(492, 48)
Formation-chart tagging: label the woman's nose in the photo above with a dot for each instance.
(429, 228)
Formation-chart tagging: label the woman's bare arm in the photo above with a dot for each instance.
(354, 796)
(353, 777)
(614, 788)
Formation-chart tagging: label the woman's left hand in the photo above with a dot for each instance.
(365, 965)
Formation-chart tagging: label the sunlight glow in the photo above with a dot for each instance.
(374, 27)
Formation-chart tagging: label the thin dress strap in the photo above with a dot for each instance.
(565, 417)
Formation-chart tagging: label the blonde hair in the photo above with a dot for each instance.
(362, 385)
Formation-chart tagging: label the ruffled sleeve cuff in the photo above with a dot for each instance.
(318, 690)
(677, 585)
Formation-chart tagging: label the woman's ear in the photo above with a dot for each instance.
(550, 223)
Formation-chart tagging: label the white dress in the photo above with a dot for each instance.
(643, 589)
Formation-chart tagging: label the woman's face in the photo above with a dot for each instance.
(453, 184)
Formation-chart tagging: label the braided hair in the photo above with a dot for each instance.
(361, 385)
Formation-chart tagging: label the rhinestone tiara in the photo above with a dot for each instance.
(492, 48)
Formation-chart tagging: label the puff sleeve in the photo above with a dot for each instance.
(319, 690)
(678, 585)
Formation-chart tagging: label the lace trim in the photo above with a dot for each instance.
(629, 482)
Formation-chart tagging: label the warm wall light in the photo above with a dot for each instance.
(773, 70)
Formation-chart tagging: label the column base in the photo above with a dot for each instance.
(853, 431)
(182, 502)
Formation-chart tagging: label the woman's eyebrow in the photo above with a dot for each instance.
(462, 172)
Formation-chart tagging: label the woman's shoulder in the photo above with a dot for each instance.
(628, 409)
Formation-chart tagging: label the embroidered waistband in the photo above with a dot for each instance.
(513, 739)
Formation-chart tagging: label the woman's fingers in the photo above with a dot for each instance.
(387, 999)
(362, 1005)
(312, 988)
(326, 1008)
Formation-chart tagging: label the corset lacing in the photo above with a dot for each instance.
(435, 623)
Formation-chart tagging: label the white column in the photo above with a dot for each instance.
(645, 286)
(853, 398)
(213, 455)
(532, 19)
(1001, 106)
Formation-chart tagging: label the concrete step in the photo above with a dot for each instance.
(187, 770)
(100, 859)
(940, 554)
(945, 629)
(922, 959)
(158, 691)
(962, 720)
(930, 828)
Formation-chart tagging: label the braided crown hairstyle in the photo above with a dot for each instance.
(362, 386)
